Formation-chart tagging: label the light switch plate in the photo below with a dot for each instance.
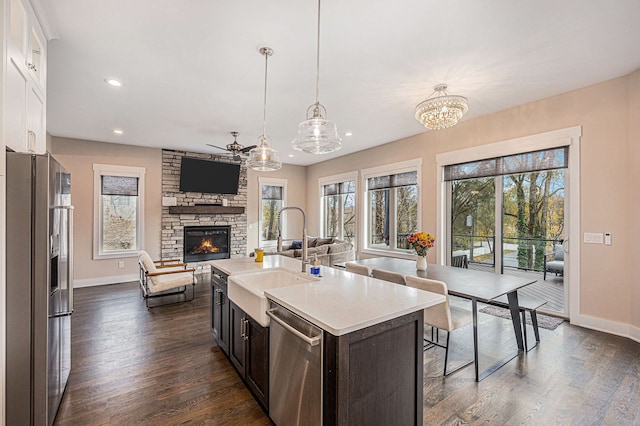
(607, 238)
(593, 237)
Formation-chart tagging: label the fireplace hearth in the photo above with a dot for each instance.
(206, 243)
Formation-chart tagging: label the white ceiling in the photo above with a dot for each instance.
(192, 72)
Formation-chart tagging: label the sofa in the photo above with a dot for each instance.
(328, 251)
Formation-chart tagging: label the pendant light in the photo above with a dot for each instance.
(263, 158)
(316, 134)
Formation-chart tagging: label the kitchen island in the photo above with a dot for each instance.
(371, 344)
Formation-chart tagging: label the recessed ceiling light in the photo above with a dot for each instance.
(290, 155)
(118, 131)
(348, 134)
(113, 82)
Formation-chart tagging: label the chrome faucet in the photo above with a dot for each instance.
(305, 261)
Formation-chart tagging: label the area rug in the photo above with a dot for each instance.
(544, 321)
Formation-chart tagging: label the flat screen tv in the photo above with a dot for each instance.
(208, 176)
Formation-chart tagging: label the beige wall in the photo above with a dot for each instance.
(78, 156)
(296, 196)
(607, 165)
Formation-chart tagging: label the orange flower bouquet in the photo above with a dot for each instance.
(421, 242)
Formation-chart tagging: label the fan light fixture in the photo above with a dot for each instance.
(263, 158)
(316, 134)
(442, 110)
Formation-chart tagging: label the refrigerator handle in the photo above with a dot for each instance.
(69, 210)
(70, 259)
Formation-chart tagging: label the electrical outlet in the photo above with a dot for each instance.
(121, 265)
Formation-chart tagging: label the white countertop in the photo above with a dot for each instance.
(246, 264)
(341, 302)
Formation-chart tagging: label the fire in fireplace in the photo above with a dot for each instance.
(206, 243)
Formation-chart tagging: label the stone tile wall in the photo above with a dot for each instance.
(173, 224)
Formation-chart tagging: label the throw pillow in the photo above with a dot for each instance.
(558, 252)
(296, 244)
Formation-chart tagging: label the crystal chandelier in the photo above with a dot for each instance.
(263, 158)
(316, 134)
(441, 110)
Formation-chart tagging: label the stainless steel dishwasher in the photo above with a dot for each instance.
(295, 369)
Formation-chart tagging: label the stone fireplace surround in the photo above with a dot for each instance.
(185, 213)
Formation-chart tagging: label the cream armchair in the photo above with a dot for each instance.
(164, 278)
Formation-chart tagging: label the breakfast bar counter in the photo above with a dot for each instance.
(340, 302)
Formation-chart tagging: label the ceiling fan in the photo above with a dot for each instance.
(235, 149)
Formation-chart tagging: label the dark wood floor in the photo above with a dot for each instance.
(160, 367)
(131, 365)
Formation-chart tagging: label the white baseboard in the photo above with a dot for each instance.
(91, 282)
(634, 334)
(606, 326)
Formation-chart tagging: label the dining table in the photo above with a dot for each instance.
(474, 285)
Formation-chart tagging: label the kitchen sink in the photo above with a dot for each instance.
(246, 290)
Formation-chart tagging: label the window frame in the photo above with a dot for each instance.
(328, 180)
(414, 165)
(100, 170)
(270, 182)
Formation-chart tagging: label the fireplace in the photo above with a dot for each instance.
(206, 243)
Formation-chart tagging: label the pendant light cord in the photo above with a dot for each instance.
(267, 53)
(318, 59)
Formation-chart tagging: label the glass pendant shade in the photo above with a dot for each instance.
(442, 110)
(317, 135)
(262, 158)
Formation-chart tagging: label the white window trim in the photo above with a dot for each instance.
(564, 137)
(270, 182)
(414, 165)
(343, 177)
(100, 170)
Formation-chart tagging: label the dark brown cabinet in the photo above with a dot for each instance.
(220, 311)
(242, 339)
(237, 344)
(373, 376)
(249, 352)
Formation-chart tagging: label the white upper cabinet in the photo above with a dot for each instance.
(27, 37)
(25, 80)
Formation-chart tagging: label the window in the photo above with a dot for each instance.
(272, 200)
(338, 207)
(118, 210)
(392, 206)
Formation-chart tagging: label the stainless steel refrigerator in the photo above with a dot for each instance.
(39, 287)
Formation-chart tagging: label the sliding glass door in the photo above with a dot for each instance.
(507, 215)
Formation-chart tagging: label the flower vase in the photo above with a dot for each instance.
(421, 263)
